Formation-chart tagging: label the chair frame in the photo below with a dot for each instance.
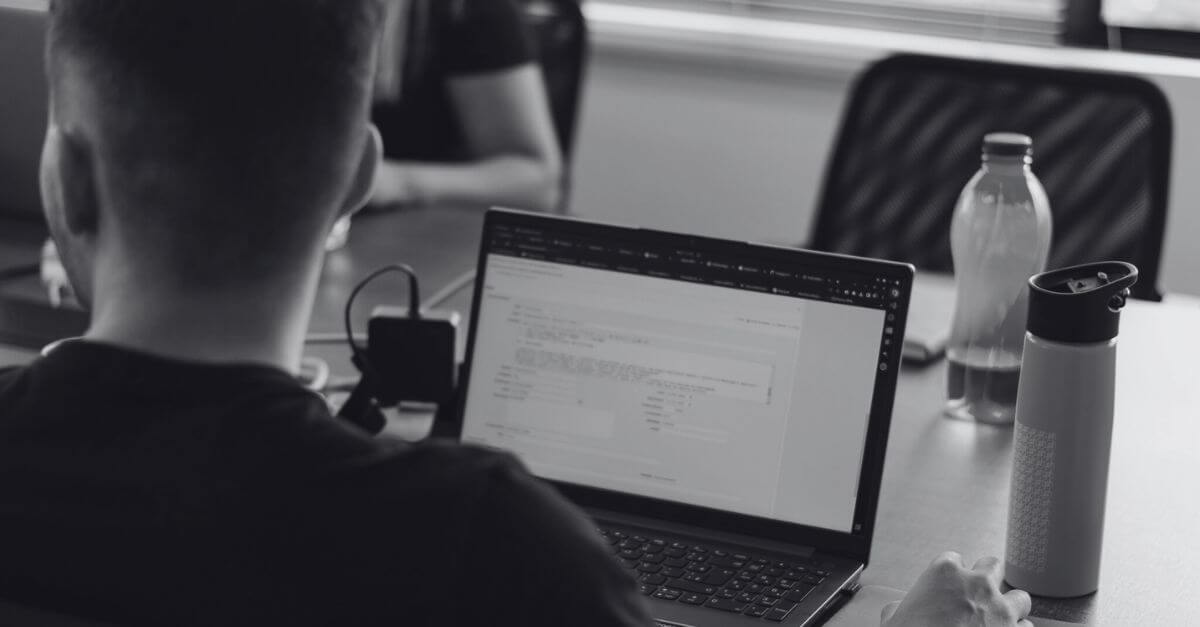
(1161, 133)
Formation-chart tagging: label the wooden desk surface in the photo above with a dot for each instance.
(945, 483)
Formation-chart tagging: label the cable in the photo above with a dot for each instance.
(414, 306)
(456, 285)
(446, 293)
(362, 407)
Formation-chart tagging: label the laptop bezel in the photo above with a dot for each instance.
(855, 544)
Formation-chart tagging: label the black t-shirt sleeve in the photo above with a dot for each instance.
(539, 561)
(484, 36)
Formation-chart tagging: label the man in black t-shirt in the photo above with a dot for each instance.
(167, 469)
(462, 109)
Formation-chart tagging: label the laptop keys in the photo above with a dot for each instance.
(728, 561)
(725, 605)
(776, 614)
(719, 577)
(668, 594)
(692, 586)
(798, 593)
(715, 578)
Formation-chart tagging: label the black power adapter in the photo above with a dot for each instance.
(412, 359)
(409, 356)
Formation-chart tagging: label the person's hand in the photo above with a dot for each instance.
(54, 276)
(393, 189)
(947, 594)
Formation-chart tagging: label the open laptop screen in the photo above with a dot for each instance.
(649, 366)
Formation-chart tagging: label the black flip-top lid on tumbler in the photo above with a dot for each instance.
(1080, 304)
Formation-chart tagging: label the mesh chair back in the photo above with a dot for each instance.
(911, 139)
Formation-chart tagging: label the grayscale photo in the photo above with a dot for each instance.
(599, 313)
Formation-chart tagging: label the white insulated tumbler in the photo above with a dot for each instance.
(1063, 430)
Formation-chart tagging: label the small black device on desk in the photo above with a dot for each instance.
(409, 356)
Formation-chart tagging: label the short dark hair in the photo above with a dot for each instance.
(224, 122)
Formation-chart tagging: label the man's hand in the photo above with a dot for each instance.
(949, 595)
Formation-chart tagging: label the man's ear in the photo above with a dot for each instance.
(69, 183)
(364, 178)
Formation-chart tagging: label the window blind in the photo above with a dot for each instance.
(1009, 21)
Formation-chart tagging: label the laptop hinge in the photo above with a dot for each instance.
(700, 532)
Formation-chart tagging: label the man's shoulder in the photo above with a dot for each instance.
(442, 462)
(450, 481)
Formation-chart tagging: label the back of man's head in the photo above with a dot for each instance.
(223, 134)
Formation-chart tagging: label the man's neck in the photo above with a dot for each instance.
(263, 325)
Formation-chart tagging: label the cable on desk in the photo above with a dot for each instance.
(363, 408)
(439, 298)
(414, 305)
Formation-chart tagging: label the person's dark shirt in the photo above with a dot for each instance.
(147, 491)
(447, 39)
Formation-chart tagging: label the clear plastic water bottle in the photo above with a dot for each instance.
(1000, 236)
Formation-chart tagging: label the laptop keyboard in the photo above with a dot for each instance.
(714, 578)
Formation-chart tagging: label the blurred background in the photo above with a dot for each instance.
(719, 116)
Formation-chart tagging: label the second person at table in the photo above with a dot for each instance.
(462, 109)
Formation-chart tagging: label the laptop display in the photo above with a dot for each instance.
(733, 377)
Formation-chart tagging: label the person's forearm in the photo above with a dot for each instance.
(512, 181)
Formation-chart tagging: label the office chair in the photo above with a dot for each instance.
(910, 139)
(560, 38)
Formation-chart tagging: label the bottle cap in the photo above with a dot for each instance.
(1007, 145)
(1080, 304)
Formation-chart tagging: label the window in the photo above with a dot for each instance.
(1011, 21)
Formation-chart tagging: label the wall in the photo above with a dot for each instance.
(718, 150)
(714, 129)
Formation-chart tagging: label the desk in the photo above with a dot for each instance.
(439, 244)
(945, 483)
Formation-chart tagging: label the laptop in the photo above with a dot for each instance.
(720, 408)
(23, 105)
